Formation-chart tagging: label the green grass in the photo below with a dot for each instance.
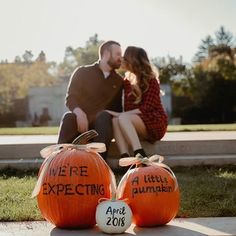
(171, 128)
(202, 127)
(15, 201)
(29, 131)
(206, 191)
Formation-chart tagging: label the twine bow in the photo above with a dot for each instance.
(51, 152)
(138, 159)
(154, 160)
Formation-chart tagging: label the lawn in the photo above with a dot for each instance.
(205, 191)
(171, 128)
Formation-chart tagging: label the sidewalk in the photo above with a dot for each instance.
(219, 226)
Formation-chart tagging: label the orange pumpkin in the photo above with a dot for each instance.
(72, 185)
(153, 195)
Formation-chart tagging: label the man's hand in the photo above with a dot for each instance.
(82, 120)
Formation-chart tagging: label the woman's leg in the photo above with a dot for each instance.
(133, 128)
(119, 137)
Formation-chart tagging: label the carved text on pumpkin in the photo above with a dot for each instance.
(159, 184)
(73, 189)
(116, 217)
(67, 170)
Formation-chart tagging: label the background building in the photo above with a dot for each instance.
(46, 105)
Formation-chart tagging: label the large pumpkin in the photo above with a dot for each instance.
(71, 187)
(153, 194)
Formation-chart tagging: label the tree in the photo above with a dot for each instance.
(224, 37)
(80, 56)
(203, 49)
(168, 68)
(41, 57)
(17, 77)
(18, 59)
(223, 43)
(27, 57)
(211, 82)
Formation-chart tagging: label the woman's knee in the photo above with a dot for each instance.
(123, 118)
(115, 121)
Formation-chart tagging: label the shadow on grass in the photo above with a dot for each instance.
(11, 172)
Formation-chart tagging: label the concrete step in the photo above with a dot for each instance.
(176, 153)
(165, 148)
(184, 148)
(114, 163)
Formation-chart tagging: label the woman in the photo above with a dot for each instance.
(144, 116)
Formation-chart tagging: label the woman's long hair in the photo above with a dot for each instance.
(138, 64)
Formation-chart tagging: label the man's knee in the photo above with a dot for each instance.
(69, 116)
(68, 128)
(103, 116)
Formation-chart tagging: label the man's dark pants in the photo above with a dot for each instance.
(102, 124)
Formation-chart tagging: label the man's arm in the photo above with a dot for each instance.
(72, 100)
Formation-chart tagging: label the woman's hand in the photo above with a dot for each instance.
(113, 113)
(135, 111)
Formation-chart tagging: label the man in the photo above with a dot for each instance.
(93, 89)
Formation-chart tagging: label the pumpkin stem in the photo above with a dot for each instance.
(140, 157)
(113, 197)
(85, 137)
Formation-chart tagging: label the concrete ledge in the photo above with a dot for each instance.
(193, 147)
(165, 148)
(189, 160)
(184, 148)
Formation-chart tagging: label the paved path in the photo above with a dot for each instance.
(170, 136)
(220, 226)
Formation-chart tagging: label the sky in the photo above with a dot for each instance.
(162, 27)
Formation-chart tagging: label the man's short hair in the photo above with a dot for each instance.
(106, 46)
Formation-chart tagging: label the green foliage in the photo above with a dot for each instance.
(210, 84)
(17, 78)
(168, 68)
(206, 191)
(15, 201)
(224, 41)
(80, 56)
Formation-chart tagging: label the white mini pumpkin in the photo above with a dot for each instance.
(113, 216)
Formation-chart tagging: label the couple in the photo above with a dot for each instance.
(94, 98)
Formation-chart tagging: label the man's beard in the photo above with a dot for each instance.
(114, 64)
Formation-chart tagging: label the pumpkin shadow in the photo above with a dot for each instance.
(166, 230)
(82, 232)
